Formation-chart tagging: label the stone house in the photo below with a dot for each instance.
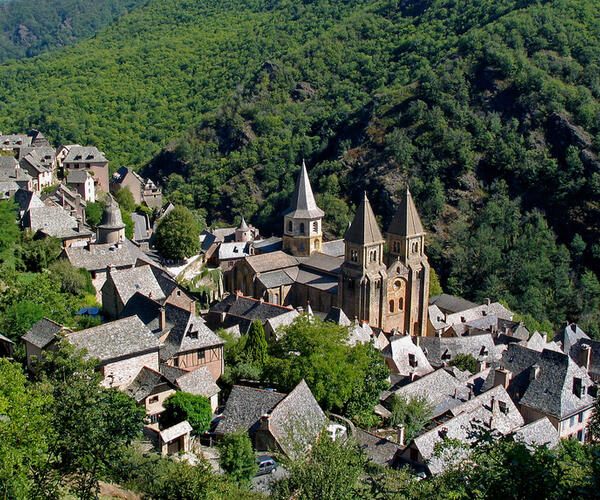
(440, 351)
(143, 191)
(40, 169)
(13, 177)
(54, 221)
(149, 389)
(85, 158)
(42, 336)
(82, 182)
(123, 347)
(546, 384)
(199, 382)
(289, 424)
(70, 201)
(405, 358)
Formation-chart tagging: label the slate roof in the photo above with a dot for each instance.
(338, 316)
(249, 308)
(275, 279)
(539, 343)
(268, 245)
(9, 172)
(303, 204)
(121, 338)
(144, 384)
(538, 433)
(27, 200)
(594, 345)
(135, 279)
(12, 140)
(440, 350)
(296, 421)
(121, 174)
(474, 413)
(398, 351)
(77, 177)
(34, 161)
(437, 318)
(111, 217)
(43, 332)
(406, 220)
(140, 227)
(271, 261)
(321, 262)
(244, 408)
(434, 387)
(234, 250)
(175, 431)
(477, 312)
(8, 162)
(378, 450)
(359, 333)
(320, 280)
(84, 154)
(100, 256)
(198, 382)
(569, 336)
(552, 391)
(282, 320)
(334, 248)
(364, 229)
(189, 333)
(450, 303)
(54, 221)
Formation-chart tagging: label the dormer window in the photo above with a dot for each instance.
(577, 386)
(193, 335)
(412, 360)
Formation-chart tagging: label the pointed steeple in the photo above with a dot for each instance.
(406, 220)
(309, 310)
(303, 205)
(243, 225)
(364, 229)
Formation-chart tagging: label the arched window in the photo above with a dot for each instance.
(415, 247)
(400, 304)
(315, 227)
(302, 228)
(290, 226)
(391, 306)
(396, 246)
(354, 255)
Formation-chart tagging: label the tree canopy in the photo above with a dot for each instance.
(177, 235)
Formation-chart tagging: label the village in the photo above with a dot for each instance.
(158, 335)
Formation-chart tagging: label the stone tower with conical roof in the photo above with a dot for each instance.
(408, 271)
(302, 222)
(243, 233)
(112, 228)
(363, 277)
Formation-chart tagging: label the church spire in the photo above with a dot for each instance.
(406, 221)
(303, 203)
(364, 229)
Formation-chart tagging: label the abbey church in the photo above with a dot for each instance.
(383, 281)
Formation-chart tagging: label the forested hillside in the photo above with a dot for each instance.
(29, 28)
(488, 109)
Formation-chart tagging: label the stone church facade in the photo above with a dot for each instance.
(384, 281)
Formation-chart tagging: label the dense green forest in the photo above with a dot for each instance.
(29, 28)
(488, 110)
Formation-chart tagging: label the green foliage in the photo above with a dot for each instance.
(435, 287)
(237, 458)
(413, 413)
(342, 378)
(332, 471)
(125, 199)
(256, 345)
(128, 221)
(184, 406)
(9, 232)
(24, 432)
(93, 213)
(36, 254)
(72, 281)
(465, 362)
(177, 234)
(27, 31)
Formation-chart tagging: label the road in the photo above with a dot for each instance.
(263, 483)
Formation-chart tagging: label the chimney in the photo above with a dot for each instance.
(401, 434)
(443, 432)
(193, 308)
(481, 365)
(585, 356)
(534, 372)
(418, 338)
(487, 301)
(494, 404)
(545, 336)
(162, 321)
(502, 377)
(471, 393)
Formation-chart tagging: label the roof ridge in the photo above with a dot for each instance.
(260, 389)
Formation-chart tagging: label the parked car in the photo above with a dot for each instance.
(266, 465)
